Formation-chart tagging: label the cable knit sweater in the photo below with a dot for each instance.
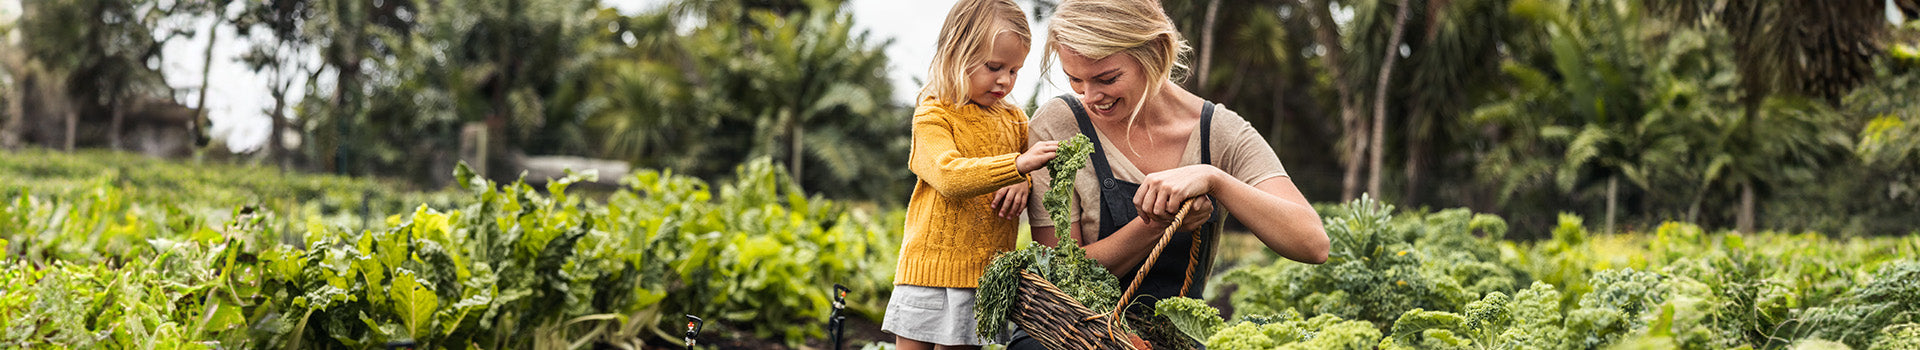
(961, 155)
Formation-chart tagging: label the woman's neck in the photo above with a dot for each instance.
(1171, 105)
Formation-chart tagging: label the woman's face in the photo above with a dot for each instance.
(1109, 87)
(992, 79)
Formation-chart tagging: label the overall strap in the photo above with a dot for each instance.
(1100, 168)
(1206, 133)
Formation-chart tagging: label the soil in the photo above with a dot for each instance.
(860, 332)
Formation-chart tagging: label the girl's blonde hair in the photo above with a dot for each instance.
(1137, 28)
(965, 39)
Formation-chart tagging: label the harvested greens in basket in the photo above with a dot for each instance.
(1066, 266)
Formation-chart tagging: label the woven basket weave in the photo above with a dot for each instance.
(1060, 323)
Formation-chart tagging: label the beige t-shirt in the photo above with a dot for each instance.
(1238, 149)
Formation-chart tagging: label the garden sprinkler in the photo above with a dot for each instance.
(693, 329)
(837, 323)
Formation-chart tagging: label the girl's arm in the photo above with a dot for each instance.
(936, 159)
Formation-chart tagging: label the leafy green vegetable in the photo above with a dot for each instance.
(999, 286)
(509, 266)
(1192, 316)
(1322, 332)
(1066, 265)
(1071, 156)
(1905, 336)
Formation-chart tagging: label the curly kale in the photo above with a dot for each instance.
(1072, 156)
(1536, 318)
(996, 295)
(1066, 266)
(1192, 316)
(1614, 307)
(1322, 332)
(1081, 277)
(1863, 315)
(1900, 336)
(1243, 335)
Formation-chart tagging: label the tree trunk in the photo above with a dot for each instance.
(1745, 221)
(206, 70)
(1417, 142)
(276, 149)
(16, 98)
(1206, 45)
(119, 120)
(1326, 33)
(796, 137)
(73, 123)
(497, 138)
(1279, 118)
(1380, 98)
(1613, 200)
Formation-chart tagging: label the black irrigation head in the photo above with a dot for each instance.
(694, 323)
(402, 344)
(840, 296)
(837, 323)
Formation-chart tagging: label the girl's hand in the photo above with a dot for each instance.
(1009, 202)
(1036, 156)
(1160, 194)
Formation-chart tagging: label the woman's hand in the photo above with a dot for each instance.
(1036, 156)
(1009, 202)
(1201, 212)
(1160, 194)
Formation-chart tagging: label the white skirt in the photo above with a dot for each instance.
(936, 315)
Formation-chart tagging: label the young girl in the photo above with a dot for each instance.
(967, 141)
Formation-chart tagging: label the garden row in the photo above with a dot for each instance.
(112, 262)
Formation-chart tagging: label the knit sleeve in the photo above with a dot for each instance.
(936, 159)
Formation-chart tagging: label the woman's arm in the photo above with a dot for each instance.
(1127, 248)
(1274, 209)
(1278, 214)
(1120, 253)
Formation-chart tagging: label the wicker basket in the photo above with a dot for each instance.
(1060, 323)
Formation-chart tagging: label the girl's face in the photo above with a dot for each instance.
(990, 81)
(1108, 86)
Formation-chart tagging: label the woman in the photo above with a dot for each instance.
(1157, 145)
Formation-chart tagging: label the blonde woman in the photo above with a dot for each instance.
(1155, 146)
(968, 143)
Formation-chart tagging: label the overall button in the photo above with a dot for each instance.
(1106, 183)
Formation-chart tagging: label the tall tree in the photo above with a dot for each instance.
(1378, 150)
(1588, 118)
(803, 88)
(1819, 49)
(1327, 35)
(278, 58)
(85, 58)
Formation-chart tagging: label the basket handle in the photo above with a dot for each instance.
(1142, 274)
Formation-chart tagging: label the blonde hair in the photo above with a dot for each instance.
(1137, 28)
(965, 39)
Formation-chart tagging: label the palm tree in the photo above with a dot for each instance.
(801, 87)
(1619, 101)
(1819, 49)
(1262, 62)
